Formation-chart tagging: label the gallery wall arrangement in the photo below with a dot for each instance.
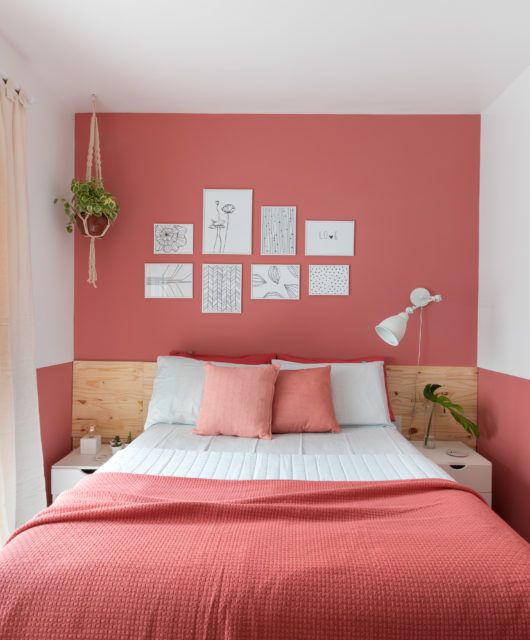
(381, 180)
(227, 230)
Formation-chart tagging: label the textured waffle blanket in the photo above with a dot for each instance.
(126, 556)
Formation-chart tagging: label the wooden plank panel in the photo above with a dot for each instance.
(406, 385)
(109, 394)
(116, 396)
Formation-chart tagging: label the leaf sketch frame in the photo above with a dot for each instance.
(227, 222)
(275, 282)
(168, 280)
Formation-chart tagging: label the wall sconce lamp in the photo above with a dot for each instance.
(393, 328)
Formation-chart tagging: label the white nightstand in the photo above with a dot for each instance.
(474, 470)
(73, 467)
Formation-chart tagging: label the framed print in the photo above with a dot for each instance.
(168, 280)
(329, 237)
(329, 280)
(275, 282)
(227, 221)
(173, 238)
(278, 231)
(221, 288)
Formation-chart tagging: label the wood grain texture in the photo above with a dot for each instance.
(115, 396)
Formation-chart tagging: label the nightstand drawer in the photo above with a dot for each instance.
(63, 479)
(474, 476)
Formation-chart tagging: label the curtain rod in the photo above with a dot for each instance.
(18, 88)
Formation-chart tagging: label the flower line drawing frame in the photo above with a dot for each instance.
(227, 221)
(172, 238)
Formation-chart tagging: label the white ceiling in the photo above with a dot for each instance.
(273, 56)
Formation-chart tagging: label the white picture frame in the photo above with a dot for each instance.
(330, 238)
(168, 280)
(172, 238)
(227, 222)
(329, 279)
(275, 282)
(278, 231)
(221, 288)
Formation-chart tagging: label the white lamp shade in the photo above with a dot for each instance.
(393, 329)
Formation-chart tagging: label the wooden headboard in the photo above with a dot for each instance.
(115, 395)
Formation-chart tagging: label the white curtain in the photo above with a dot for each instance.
(22, 487)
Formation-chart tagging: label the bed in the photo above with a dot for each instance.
(351, 535)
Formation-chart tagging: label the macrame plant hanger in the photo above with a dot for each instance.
(93, 157)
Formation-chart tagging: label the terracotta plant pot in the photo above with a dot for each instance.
(95, 224)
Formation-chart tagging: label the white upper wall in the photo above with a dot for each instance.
(50, 168)
(275, 56)
(504, 251)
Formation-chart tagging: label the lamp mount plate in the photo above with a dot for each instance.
(420, 297)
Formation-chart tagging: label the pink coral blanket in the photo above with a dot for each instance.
(128, 556)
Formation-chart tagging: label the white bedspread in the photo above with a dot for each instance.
(356, 453)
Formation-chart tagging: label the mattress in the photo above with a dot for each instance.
(355, 454)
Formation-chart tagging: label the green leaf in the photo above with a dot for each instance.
(455, 410)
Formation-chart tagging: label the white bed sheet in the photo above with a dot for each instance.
(354, 454)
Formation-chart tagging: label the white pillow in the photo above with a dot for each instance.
(358, 390)
(177, 390)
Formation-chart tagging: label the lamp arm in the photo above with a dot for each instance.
(425, 300)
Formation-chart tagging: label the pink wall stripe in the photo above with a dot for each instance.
(55, 407)
(504, 420)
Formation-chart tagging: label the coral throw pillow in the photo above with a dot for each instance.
(303, 402)
(258, 358)
(284, 356)
(237, 401)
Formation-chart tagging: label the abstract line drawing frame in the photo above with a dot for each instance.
(275, 282)
(329, 279)
(330, 238)
(221, 288)
(227, 221)
(172, 238)
(168, 280)
(278, 231)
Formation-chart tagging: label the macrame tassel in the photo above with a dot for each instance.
(92, 275)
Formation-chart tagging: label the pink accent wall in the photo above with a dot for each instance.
(410, 182)
(55, 408)
(504, 421)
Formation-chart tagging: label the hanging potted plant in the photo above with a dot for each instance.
(91, 207)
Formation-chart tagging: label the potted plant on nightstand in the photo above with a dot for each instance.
(457, 411)
(116, 444)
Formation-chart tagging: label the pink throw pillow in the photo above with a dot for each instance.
(237, 401)
(284, 356)
(302, 401)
